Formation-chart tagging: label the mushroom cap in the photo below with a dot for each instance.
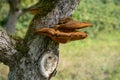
(62, 37)
(72, 25)
(46, 31)
(34, 11)
(65, 20)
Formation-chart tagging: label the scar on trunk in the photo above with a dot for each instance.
(48, 64)
(66, 30)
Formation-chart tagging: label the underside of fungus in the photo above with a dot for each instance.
(66, 30)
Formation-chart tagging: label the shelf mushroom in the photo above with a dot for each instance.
(66, 31)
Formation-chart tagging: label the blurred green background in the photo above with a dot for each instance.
(95, 58)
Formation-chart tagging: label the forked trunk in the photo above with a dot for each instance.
(38, 57)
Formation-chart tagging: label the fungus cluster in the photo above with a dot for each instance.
(66, 30)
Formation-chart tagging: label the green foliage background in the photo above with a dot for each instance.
(95, 58)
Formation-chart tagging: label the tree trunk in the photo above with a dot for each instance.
(36, 57)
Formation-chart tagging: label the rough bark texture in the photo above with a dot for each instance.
(36, 57)
(7, 48)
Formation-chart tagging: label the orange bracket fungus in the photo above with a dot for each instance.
(66, 30)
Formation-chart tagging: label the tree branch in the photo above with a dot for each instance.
(14, 14)
(35, 6)
(7, 48)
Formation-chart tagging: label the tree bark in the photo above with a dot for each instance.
(36, 57)
(14, 13)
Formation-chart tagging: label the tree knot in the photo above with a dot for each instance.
(48, 64)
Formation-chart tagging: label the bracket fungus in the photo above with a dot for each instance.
(66, 30)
